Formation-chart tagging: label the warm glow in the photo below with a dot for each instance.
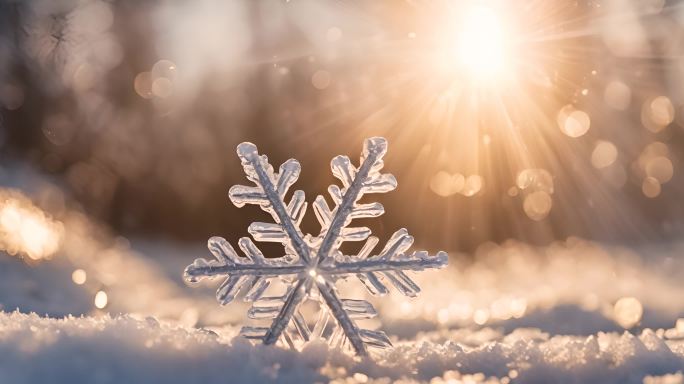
(79, 277)
(481, 42)
(25, 229)
(101, 299)
(628, 312)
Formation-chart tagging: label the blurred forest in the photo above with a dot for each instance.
(136, 108)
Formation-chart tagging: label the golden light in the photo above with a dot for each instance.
(493, 88)
(628, 312)
(79, 277)
(537, 205)
(482, 44)
(101, 299)
(25, 229)
(651, 187)
(573, 122)
(604, 154)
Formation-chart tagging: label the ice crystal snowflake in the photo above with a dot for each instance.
(312, 265)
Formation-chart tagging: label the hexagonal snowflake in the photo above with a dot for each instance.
(311, 265)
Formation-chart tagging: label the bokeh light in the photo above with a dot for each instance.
(101, 299)
(573, 122)
(25, 229)
(79, 277)
(628, 312)
(604, 154)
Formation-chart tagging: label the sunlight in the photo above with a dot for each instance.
(482, 46)
(25, 229)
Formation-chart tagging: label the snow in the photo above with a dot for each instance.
(126, 350)
(129, 349)
(511, 312)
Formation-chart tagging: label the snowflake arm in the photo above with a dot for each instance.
(252, 272)
(355, 182)
(312, 265)
(390, 262)
(269, 193)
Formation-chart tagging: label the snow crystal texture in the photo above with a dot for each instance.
(135, 350)
(311, 265)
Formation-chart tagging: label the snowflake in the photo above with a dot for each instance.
(312, 265)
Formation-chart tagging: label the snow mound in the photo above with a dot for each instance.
(128, 349)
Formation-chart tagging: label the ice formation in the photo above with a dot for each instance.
(96, 350)
(311, 265)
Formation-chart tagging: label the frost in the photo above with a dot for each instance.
(127, 349)
(311, 265)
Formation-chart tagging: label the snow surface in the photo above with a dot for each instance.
(509, 313)
(125, 349)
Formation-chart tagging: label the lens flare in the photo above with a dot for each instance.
(481, 43)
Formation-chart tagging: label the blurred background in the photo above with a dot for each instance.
(535, 122)
(540, 142)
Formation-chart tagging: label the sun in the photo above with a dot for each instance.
(481, 42)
